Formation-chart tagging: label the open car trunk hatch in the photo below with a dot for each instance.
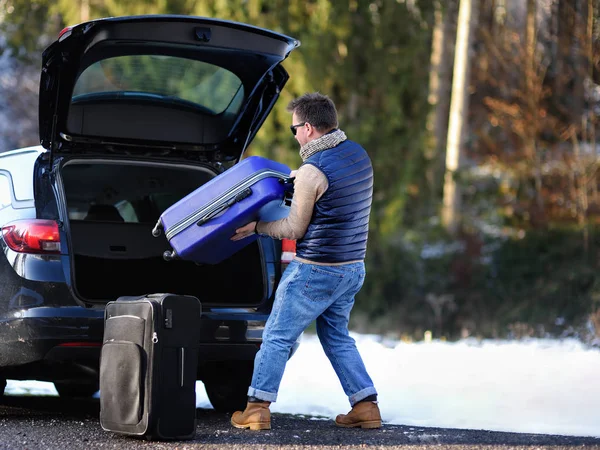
(187, 87)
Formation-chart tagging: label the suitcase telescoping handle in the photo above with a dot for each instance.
(287, 180)
(232, 201)
(288, 183)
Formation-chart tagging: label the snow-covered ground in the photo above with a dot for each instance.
(534, 386)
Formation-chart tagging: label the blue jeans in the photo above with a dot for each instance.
(308, 292)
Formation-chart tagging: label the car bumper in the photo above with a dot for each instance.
(74, 335)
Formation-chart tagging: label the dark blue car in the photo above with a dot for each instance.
(135, 113)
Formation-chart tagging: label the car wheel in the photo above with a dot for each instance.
(227, 396)
(72, 390)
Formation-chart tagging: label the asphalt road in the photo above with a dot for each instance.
(53, 423)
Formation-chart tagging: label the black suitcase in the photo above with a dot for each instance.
(148, 366)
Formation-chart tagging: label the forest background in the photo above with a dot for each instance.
(480, 117)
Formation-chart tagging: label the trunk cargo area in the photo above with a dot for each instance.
(113, 207)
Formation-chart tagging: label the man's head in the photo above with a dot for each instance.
(313, 115)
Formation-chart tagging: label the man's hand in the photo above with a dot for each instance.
(243, 232)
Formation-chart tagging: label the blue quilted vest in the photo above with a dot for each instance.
(340, 222)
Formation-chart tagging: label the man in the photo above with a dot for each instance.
(329, 218)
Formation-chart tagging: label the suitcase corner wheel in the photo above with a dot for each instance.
(156, 231)
(170, 255)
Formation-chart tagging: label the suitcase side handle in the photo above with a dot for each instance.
(232, 201)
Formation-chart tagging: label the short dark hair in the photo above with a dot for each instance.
(316, 109)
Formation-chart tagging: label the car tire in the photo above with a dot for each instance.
(227, 396)
(76, 390)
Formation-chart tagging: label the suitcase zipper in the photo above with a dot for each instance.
(232, 192)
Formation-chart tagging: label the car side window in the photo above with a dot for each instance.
(127, 211)
(163, 201)
(122, 211)
(5, 198)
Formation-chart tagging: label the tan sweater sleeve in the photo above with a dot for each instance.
(309, 186)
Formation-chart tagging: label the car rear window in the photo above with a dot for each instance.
(165, 78)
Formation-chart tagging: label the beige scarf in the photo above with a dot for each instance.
(325, 142)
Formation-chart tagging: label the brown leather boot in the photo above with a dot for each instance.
(363, 414)
(256, 416)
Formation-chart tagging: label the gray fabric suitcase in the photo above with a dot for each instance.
(148, 366)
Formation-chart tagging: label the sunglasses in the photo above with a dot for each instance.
(293, 128)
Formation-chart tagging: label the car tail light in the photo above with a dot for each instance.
(288, 251)
(32, 236)
(64, 33)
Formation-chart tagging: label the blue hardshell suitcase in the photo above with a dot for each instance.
(199, 227)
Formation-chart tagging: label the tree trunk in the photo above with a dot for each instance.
(564, 44)
(532, 101)
(592, 121)
(581, 192)
(85, 10)
(586, 21)
(458, 115)
(581, 58)
(442, 49)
